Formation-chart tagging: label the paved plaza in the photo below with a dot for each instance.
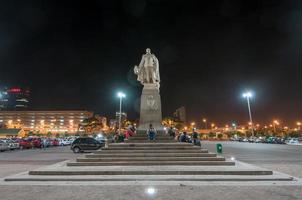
(283, 158)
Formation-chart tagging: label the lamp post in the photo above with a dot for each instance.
(212, 126)
(275, 123)
(205, 123)
(248, 95)
(298, 124)
(121, 96)
(192, 125)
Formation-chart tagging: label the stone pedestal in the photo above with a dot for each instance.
(150, 108)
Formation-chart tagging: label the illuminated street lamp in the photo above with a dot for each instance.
(299, 124)
(192, 125)
(248, 95)
(212, 125)
(121, 96)
(274, 124)
(234, 126)
(205, 122)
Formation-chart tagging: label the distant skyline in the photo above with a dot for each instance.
(78, 55)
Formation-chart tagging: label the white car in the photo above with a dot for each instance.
(4, 146)
(294, 141)
(63, 142)
(12, 144)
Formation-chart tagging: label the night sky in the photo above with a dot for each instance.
(78, 54)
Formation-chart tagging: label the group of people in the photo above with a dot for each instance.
(152, 132)
(183, 137)
(120, 137)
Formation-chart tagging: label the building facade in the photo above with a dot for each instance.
(14, 98)
(44, 121)
(180, 114)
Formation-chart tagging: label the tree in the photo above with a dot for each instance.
(294, 134)
(212, 135)
(30, 133)
(91, 125)
(220, 135)
(171, 122)
(48, 134)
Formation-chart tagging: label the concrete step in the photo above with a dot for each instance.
(117, 151)
(155, 147)
(149, 141)
(146, 138)
(185, 172)
(238, 169)
(99, 178)
(145, 135)
(150, 155)
(150, 163)
(175, 144)
(150, 159)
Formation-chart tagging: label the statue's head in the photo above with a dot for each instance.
(148, 50)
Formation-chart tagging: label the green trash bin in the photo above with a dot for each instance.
(219, 148)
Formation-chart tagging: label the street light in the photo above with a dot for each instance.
(205, 122)
(274, 124)
(248, 95)
(121, 96)
(299, 124)
(212, 125)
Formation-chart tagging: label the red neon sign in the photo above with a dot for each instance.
(14, 90)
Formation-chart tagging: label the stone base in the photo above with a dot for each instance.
(150, 108)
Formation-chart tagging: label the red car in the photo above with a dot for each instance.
(25, 144)
(37, 143)
(55, 142)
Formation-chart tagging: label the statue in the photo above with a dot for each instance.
(148, 69)
(150, 107)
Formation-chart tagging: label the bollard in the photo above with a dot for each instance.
(219, 148)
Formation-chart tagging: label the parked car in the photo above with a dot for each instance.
(37, 143)
(85, 143)
(54, 142)
(4, 146)
(243, 140)
(12, 144)
(102, 139)
(259, 140)
(25, 144)
(293, 141)
(252, 139)
(234, 138)
(275, 140)
(64, 142)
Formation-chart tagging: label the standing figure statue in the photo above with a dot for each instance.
(148, 69)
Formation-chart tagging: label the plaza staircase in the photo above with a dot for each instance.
(139, 151)
(139, 159)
